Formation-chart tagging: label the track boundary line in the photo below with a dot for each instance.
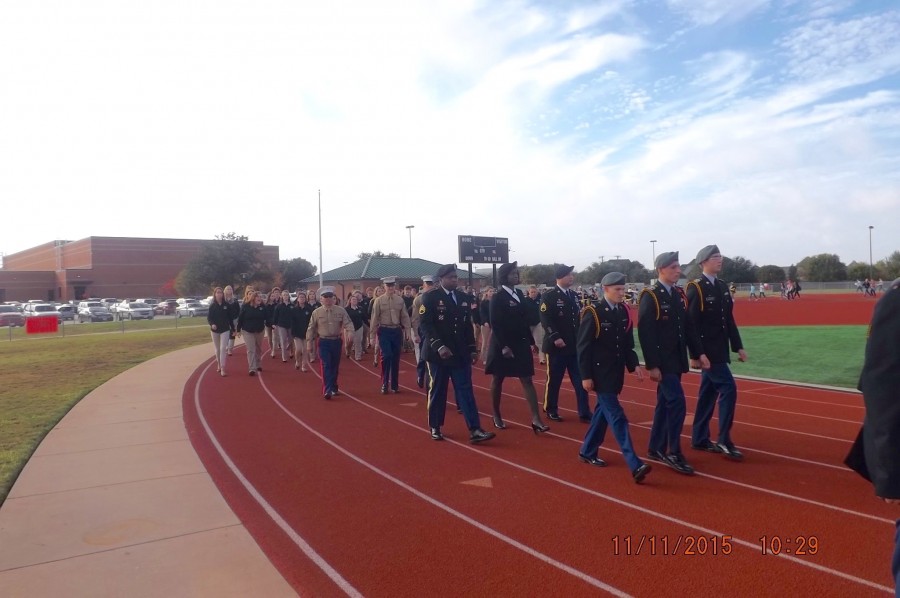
(593, 581)
(308, 550)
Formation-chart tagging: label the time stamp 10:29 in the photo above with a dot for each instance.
(712, 545)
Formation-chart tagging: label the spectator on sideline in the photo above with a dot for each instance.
(220, 327)
(875, 453)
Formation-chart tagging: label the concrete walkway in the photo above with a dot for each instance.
(115, 502)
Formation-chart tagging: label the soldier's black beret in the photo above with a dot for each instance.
(504, 270)
(446, 270)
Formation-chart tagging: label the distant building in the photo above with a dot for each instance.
(368, 272)
(121, 267)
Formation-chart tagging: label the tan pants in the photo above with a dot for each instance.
(253, 341)
(220, 345)
(301, 354)
(485, 341)
(538, 333)
(354, 341)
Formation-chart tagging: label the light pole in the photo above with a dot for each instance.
(409, 228)
(871, 269)
(653, 245)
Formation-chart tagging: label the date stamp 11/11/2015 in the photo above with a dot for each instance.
(708, 545)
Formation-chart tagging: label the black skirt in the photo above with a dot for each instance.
(520, 365)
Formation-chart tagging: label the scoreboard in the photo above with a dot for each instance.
(483, 250)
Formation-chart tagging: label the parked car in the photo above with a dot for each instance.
(10, 316)
(93, 311)
(109, 302)
(132, 310)
(151, 303)
(191, 308)
(42, 309)
(166, 307)
(67, 312)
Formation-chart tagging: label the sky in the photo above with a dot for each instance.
(575, 129)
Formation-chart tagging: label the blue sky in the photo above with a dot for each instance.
(576, 129)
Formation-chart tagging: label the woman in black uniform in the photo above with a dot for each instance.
(511, 348)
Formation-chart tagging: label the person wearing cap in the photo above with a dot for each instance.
(512, 345)
(328, 323)
(662, 311)
(559, 316)
(449, 347)
(712, 329)
(389, 320)
(421, 369)
(605, 350)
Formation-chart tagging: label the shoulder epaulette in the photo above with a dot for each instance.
(696, 284)
(591, 310)
(649, 291)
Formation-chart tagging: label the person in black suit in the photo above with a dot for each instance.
(512, 345)
(446, 322)
(875, 453)
(605, 349)
(712, 329)
(662, 311)
(559, 317)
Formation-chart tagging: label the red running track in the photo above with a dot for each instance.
(351, 496)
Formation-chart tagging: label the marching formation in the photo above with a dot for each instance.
(589, 338)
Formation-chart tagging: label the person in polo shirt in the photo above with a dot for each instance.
(389, 320)
(328, 324)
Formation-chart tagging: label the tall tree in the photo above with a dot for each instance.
(377, 253)
(295, 270)
(793, 274)
(824, 267)
(889, 267)
(539, 274)
(229, 259)
(860, 271)
(736, 269)
(633, 270)
(770, 273)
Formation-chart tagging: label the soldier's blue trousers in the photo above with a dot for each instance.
(668, 418)
(610, 412)
(715, 383)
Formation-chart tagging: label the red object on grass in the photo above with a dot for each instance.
(41, 324)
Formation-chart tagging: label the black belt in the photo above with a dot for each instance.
(390, 326)
(330, 338)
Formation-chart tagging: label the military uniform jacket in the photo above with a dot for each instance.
(445, 323)
(662, 329)
(510, 328)
(560, 314)
(606, 346)
(711, 324)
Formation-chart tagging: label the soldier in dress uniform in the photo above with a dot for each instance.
(662, 311)
(421, 369)
(605, 350)
(712, 329)
(559, 317)
(389, 320)
(449, 346)
(328, 323)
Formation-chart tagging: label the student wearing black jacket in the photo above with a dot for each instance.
(252, 324)
(299, 324)
(220, 327)
(357, 316)
(273, 299)
(281, 321)
(234, 310)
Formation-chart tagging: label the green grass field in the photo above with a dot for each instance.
(73, 329)
(43, 379)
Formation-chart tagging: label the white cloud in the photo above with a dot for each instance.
(708, 12)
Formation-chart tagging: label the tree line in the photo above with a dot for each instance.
(232, 259)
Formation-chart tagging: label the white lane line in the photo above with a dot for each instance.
(446, 508)
(733, 482)
(771, 396)
(669, 518)
(304, 546)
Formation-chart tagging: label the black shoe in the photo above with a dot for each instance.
(436, 434)
(707, 446)
(479, 435)
(384, 390)
(730, 452)
(555, 417)
(641, 472)
(676, 461)
(396, 391)
(252, 373)
(420, 382)
(258, 369)
(329, 394)
(539, 428)
(584, 420)
(498, 423)
(595, 461)
(656, 456)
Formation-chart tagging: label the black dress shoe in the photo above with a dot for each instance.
(641, 472)
(730, 452)
(676, 461)
(396, 391)
(595, 461)
(252, 373)
(656, 456)
(707, 446)
(555, 417)
(498, 423)
(436, 434)
(258, 369)
(329, 394)
(479, 435)
(384, 390)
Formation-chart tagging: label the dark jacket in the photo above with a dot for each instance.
(252, 319)
(357, 316)
(711, 326)
(484, 311)
(510, 328)
(534, 310)
(234, 309)
(270, 313)
(282, 316)
(661, 329)
(300, 320)
(875, 453)
(446, 323)
(606, 346)
(560, 315)
(218, 315)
